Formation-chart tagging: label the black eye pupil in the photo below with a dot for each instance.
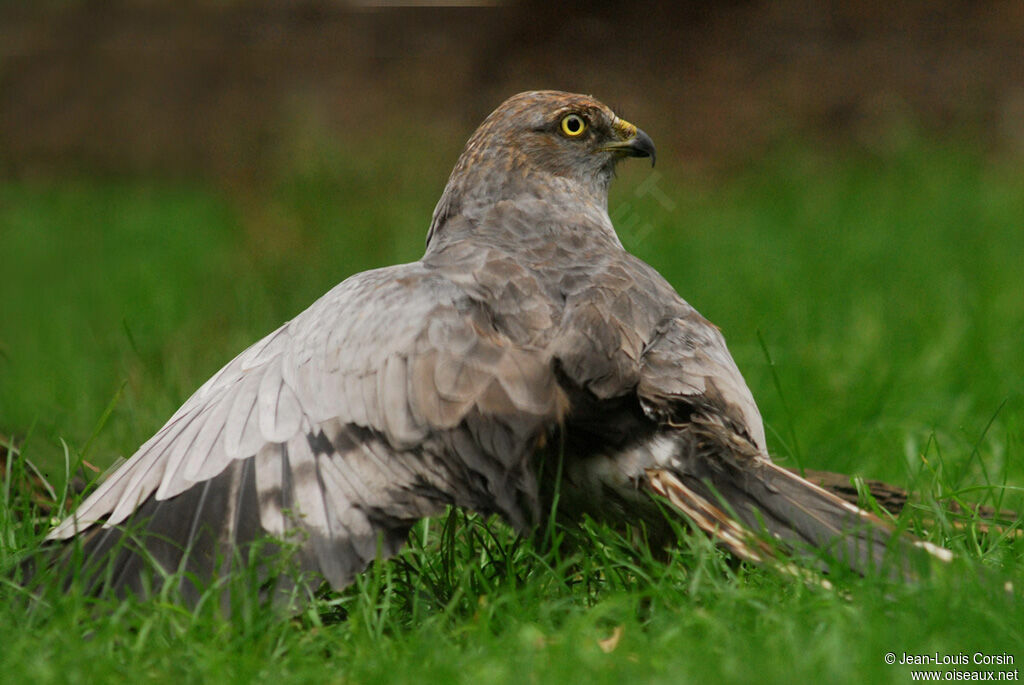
(573, 124)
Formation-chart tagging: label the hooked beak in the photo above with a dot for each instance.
(633, 143)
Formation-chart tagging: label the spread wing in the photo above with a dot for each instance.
(390, 397)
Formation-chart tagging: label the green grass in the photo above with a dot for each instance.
(875, 305)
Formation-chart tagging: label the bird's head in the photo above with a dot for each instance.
(542, 144)
(564, 134)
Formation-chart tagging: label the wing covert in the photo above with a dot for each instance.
(390, 397)
(687, 361)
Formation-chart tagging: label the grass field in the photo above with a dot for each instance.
(874, 303)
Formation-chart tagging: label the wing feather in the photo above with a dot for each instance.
(687, 361)
(270, 489)
(388, 398)
(207, 454)
(280, 411)
(307, 494)
(146, 473)
(242, 406)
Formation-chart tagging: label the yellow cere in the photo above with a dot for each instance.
(625, 129)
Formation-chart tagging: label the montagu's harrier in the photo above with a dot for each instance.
(526, 347)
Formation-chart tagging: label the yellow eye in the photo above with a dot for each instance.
(573, 125)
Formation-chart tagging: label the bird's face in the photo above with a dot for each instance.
(574, 136)
(540, 136)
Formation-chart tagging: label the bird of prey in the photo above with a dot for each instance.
(525, 354)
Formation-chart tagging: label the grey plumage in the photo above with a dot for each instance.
(409, 388)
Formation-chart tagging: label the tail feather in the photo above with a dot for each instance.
(984, 519)
(734, 504)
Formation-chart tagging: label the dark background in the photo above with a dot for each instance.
(218, 88)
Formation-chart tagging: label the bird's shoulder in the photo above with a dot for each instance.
(624, 329)
(687, 367)
(404, 349)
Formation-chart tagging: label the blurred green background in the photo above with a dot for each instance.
(839, 187)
